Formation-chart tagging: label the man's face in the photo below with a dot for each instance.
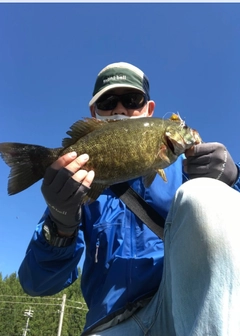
(120, 109)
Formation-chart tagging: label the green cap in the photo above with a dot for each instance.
(119, 74)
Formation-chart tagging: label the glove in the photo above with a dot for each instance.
(211, 160)
(64, 196)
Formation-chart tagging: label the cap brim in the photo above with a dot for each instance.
(110, 87)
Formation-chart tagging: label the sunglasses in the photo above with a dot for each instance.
(132, 100)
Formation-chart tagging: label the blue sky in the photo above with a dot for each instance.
(50, 55)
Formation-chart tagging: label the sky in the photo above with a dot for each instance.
(50, 55)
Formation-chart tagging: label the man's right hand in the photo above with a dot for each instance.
(65, 184)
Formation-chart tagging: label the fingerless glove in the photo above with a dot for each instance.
(64, 197)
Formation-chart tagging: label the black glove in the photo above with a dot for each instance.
(211, 160)
(64, 197)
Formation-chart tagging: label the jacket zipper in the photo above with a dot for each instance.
(96, 251)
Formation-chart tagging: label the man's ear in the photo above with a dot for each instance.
(151, 106)
(93, 111)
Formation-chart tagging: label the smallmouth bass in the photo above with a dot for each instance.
(118, 151)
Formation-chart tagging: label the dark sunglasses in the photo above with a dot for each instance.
(132, 100)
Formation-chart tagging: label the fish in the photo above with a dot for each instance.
(118, 151)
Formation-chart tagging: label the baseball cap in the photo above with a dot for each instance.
(120, 74)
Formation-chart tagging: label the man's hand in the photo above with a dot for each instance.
(210, 160)
(64, 185)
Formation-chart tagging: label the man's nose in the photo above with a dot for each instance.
(120, 109)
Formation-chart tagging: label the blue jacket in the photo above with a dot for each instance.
(124, 259)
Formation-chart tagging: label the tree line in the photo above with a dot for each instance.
(42, 313)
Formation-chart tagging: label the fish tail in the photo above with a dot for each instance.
(27, 162)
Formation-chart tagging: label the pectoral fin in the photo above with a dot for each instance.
(161, 172)
(163, 154)
(148, 179)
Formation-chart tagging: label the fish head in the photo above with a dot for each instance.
(180, 137)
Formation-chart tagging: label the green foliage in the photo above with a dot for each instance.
(16, 306)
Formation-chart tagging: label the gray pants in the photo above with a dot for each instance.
(200, 290)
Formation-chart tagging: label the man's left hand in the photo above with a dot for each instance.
(210, 160)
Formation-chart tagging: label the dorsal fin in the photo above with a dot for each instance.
(81, 128)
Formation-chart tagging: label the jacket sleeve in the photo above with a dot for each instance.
(46, 269)
(236, 185)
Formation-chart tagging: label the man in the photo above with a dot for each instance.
(126, 287)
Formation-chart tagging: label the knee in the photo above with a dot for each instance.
(203, 194)
(202, 221)
(203, 186)
(199, 210)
